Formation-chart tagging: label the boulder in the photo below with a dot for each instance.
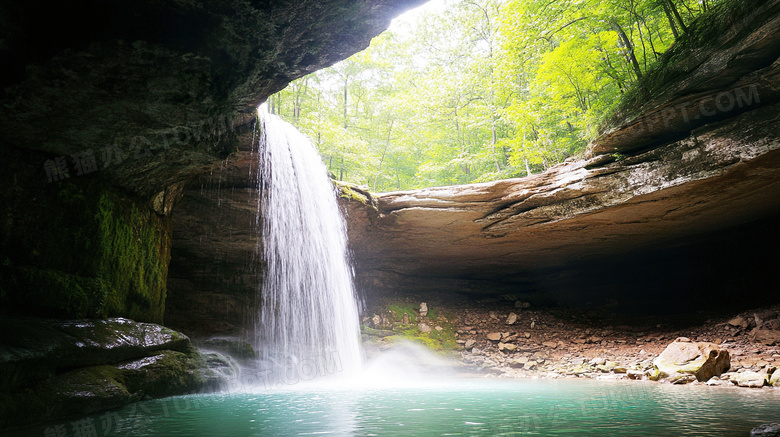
(511, 319)
(470, 344)
(55, 369)
(717, 382)
(768, 430)
(749, 379)
(494, 336)
(701, 359)
(768, 337)
(423, 309)
(774, 380)
(34, 347)
(507, 347)
(424, 327)
(598, 361)
(739, 322)
(682, 378)
(635, 374)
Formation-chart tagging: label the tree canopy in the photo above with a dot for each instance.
(481, 89)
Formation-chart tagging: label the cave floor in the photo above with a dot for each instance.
(561, 343)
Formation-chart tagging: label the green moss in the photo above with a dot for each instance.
(84, 296)
(352, 192)
(133, 258)
(396, 312)
(440, 341)
(84, 251)
(353, 195)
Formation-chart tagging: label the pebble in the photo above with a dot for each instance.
(561, 348)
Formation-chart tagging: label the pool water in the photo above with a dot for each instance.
(457, 407)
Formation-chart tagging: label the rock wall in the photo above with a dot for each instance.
(74, 249)
(107, 109)
(160, 87)
(215, 268)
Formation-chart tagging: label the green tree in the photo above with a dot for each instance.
(486, 89)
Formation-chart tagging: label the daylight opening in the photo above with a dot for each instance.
(464, 91)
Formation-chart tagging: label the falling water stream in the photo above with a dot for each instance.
(308, 325)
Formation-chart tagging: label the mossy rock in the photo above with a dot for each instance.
(81, 252)
(354, 193)
(74, 393)
(167, 373)
(53, 369)
(35, 349)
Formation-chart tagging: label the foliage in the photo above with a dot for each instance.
(675, 62)
(484, 89)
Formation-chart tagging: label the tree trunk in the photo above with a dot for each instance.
(384, 153)
(669, 17)
(346, 83)
(527, 167)
(677, 16)
(629, 49)
(493, 145)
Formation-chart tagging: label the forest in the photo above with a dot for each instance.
(479, 90)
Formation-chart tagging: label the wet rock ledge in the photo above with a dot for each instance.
(53, 369)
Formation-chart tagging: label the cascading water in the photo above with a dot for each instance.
(308, 325)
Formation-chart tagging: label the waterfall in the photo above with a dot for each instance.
(308, 325)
